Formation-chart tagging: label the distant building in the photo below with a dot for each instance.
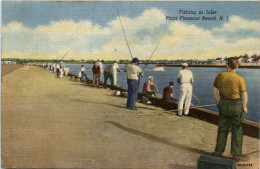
(240, 59)
(7, 62)
(219, 60)
(256, 60)
(246, 60)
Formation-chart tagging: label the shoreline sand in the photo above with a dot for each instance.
(49, 122)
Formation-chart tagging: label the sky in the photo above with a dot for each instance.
(92, 30)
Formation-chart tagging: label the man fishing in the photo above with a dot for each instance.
(231, 97)
(83, 74)
(185, 79)
(108, 74)
(115, 70)
(96, 74)
(133, 70)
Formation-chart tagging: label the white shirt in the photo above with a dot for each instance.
(132, 71)
(83, 69)
(115, 67)
(101, 67)
(185, 75)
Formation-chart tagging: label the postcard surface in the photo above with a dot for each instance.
(130, 84)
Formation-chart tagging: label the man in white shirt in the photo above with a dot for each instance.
(101, 66)
(101, 69)
(83, 74)
(185, 79)
(115, 70)
(58, 70)
(133, 71)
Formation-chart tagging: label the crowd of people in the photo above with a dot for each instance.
(59, 69)
(229, 91)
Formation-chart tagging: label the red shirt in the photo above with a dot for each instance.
(96, 69)
(147, 86)
(167, 91)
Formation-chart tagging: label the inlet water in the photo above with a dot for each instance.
(202, 87)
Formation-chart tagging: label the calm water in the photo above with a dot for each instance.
(202, 88)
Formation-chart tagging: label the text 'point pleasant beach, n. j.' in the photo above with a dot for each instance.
(193, 15)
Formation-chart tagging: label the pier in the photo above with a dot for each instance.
(50, 122)
(245, 66)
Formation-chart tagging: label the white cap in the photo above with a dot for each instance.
(184, 64)
(150, 77)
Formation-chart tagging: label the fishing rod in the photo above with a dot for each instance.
(151, 56)
(193, 107)
(63, 57)
(124, 34)
(195, 96)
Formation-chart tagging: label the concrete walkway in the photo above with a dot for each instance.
(49, 122)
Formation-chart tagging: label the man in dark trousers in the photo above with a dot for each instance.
(108, 74)
(133, 71)
(231, 97)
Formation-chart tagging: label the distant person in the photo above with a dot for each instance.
(115, 70)
(108, 74)
(185, 79)
(101, 69)
(133, 71)
(54, 67)
(96, 74)
(61, 69)
(168, 92)
(83, 74)
(58, 70)
(231, 97)
(101, 66)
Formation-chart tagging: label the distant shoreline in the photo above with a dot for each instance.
(211, 66)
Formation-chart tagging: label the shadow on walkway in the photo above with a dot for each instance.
(177, 166)
(158, 139)
(114, 105)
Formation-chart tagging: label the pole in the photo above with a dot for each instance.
(151, 55)
(63, 57)
(194, 107)
(195, 97)
(124, 34)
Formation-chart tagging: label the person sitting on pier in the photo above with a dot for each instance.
(83, 74)
(168, 92)
(149, 87)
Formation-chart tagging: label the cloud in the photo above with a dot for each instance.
(236, 23)
(86, 40)
(14, 27)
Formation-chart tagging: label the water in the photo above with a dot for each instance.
(202, 88)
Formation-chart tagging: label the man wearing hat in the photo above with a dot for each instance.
(115, 70)
(231, 97)
(149, 86)
(185, 79)
(133, 71)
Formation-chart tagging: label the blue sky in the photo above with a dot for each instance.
(36, 24)
(32, 14)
